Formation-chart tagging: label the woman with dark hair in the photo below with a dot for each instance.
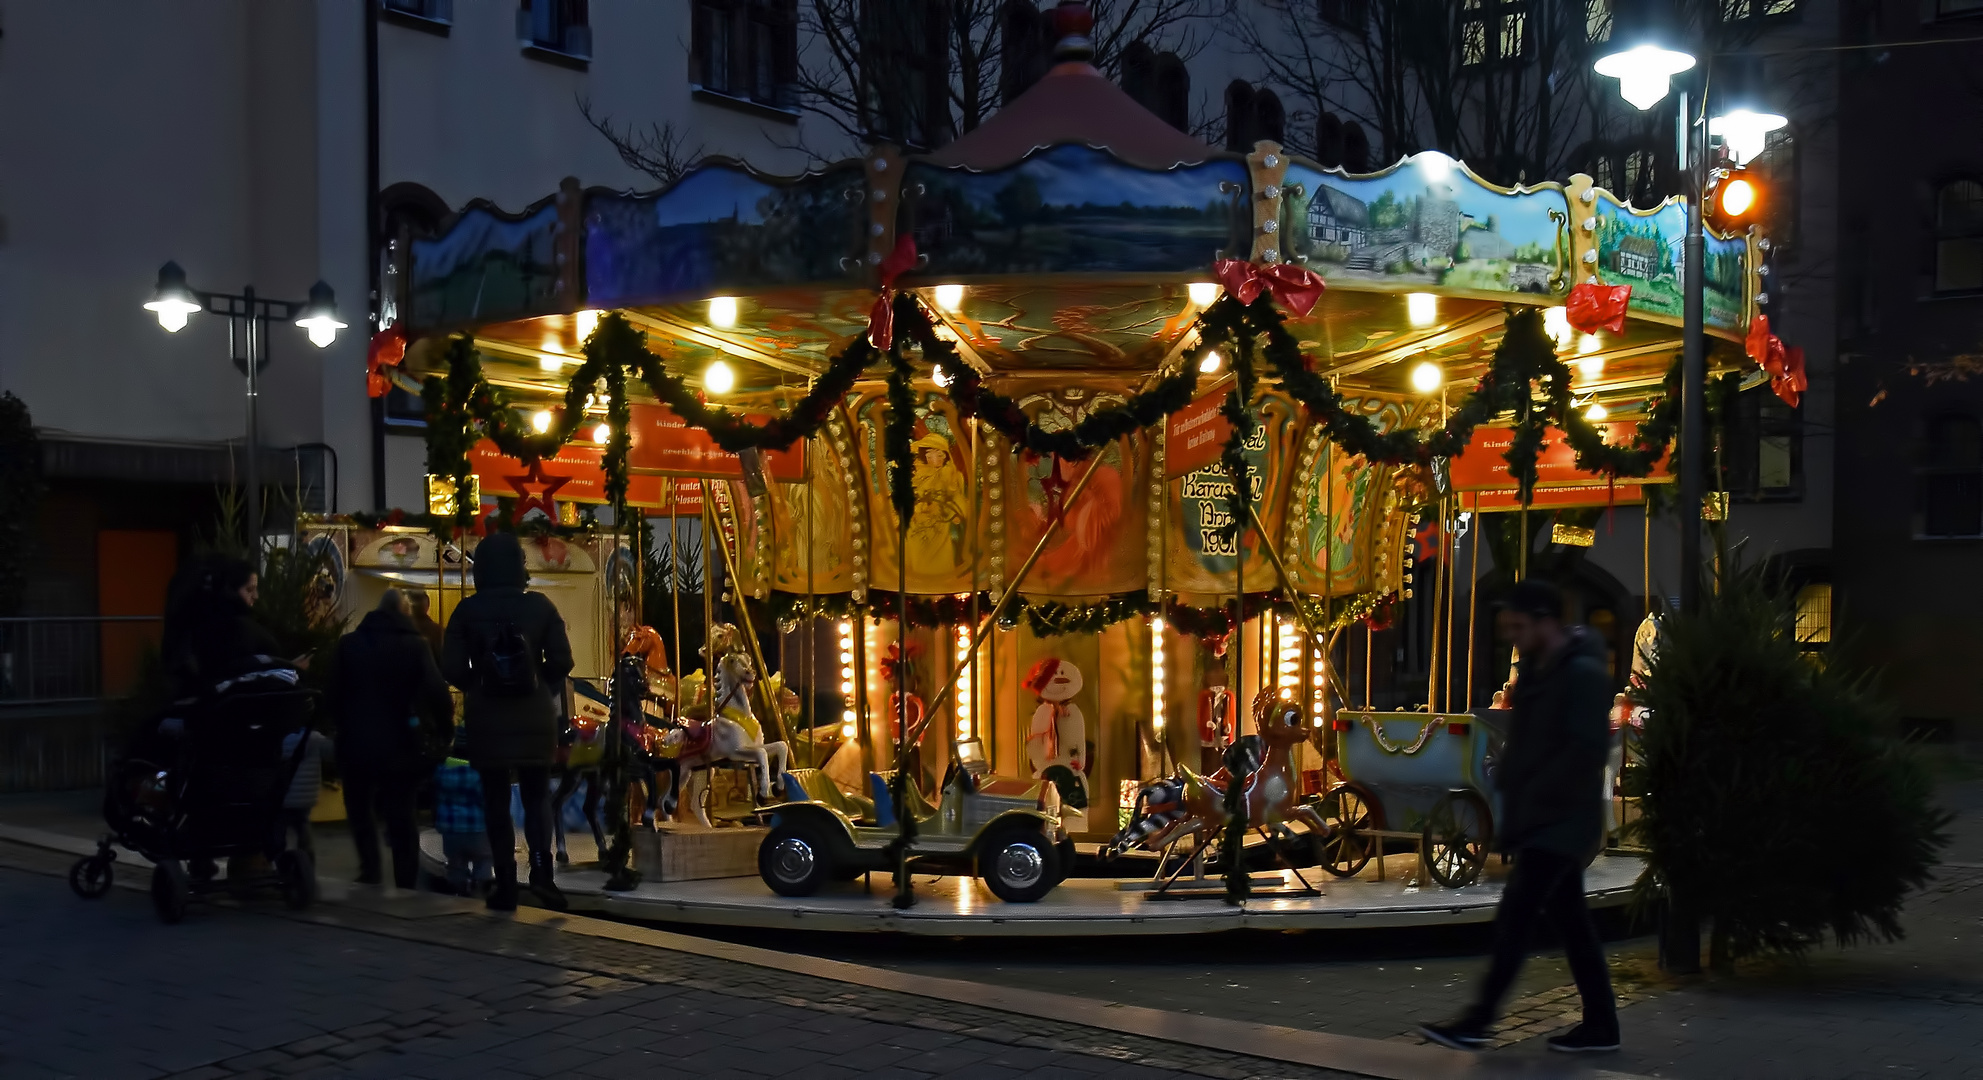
(210, 631)
(507, 651)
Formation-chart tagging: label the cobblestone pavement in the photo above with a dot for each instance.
(102, 990)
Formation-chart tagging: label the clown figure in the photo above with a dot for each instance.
(1057, 738)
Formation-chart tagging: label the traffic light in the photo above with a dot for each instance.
(1735, 199)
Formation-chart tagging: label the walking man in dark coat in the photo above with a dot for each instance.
(507, 651)
(1551, 782)
(384, 688)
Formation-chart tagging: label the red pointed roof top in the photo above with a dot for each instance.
(1073, 103)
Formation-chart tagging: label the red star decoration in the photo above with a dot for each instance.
(1431, 540)
(1053, 488)
(526, 498)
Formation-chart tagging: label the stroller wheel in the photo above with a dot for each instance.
(170, 891)
(298, 872)
(90, 877)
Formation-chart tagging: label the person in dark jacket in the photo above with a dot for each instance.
(507, 651)
(423, 621)
(210, 630)
(384, 687)
(1551, 782)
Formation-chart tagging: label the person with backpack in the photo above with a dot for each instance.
(385, 691)
(507, 651)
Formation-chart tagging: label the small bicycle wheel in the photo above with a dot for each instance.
(170, 890)
(90, 877)
(1456, 837)
(1350, 812)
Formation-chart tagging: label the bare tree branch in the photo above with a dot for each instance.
(659, 151)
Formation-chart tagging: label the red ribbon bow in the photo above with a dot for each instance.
(1784, 364)
(387, 349)
(1295, 288)
(1591, 308)
(881, 318)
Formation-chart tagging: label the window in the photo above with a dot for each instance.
(1597, 20)
(1348, 14)
(748, 50)
(1494, 30)
(1952, 478)
(431, 15)
(1763, 455)
(1739, 10)
(905, 72)
(1959, 237)
(559, 28)
(1814, 615)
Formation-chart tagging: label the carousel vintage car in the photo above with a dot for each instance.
(1008, 830)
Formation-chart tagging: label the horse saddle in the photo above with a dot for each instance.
(696, 737)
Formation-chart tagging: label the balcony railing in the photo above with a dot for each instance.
(49, 659)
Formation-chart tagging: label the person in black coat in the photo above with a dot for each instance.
(507, 650)
(384, 687)
(210, 630)
(1551, 781)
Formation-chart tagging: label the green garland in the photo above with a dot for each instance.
(1053, 618)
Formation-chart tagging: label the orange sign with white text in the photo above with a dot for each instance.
(664, 444)
(1195, 436)
(1483, 467)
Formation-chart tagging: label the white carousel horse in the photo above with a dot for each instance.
(732, 734)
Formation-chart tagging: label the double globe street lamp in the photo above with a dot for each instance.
(1647, 53)
(248, 315)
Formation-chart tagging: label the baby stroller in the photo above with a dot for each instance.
(206, 782)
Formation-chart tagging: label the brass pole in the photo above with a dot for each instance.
(1473, 592)
(675, 578)
(979, 635)
(774, 716)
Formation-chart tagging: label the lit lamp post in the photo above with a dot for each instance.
(1646, 54)
(248, 318)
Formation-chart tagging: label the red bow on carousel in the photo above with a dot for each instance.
(1591, 308)
(387, 349)
(881, 318)
(1295, 288)
(1783, 364)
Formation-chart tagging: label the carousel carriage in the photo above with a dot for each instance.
(1423, 778)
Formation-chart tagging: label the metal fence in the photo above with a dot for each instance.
(50, 659)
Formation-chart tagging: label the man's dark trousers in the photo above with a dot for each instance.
(1546, 883)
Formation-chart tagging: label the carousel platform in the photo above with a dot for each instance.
(962, 907)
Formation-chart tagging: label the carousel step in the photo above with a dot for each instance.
(693, 853)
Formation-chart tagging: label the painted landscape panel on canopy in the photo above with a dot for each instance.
(1200, 560)
(487, 268)
(940, 539)
(1646, 251)
(813, 524)
(1072, 209)
(1428, 223)
(720, 228)
(1098, 547)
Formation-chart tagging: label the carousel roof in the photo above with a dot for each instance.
(1063, 237)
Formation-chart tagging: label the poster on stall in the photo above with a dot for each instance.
(813, 525)
(1202, 557)
(1099, 545)
(939, 541)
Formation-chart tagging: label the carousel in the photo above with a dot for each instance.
(1023, 511)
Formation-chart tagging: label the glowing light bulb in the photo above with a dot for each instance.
(1202, 293)
(550, 363)
(172, 314)
(717, 378)
(1556, 323)
(950, 297)
(938, 377)
(1211, 362)
(723, 311)
(1746, 132)
(585, 322)
(1737, 196)
(1427, 377)
(1435, 165)
(540, 421)
(1595, 413)
(602, 433)
(1643, 73)
(1588, 344)
(1421, 308)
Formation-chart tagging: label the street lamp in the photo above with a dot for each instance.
(1642, 56)
(248, 315)
(1741, 117)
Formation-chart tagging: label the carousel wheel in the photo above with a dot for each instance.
(1456, 837)
(1350, 811)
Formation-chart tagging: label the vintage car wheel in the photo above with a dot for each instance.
(90, 877)
(1457, 832)
(1065, 851)
(1350, 812)
(297, 872)
(170, 890)
(1019, 866)
(793, 860)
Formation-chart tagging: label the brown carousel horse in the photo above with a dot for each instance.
(1195, 805)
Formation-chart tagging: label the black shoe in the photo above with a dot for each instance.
(1585, 1039)
(542, 883)
(1458, 1035)
(503, 896)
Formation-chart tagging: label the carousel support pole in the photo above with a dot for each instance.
(812, 648)
(773, 713)
(1239, 883)
(1432, 638)
(675, 580)
(905, 887)
(1473, 591)
(1011, 589)
(617, 859)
